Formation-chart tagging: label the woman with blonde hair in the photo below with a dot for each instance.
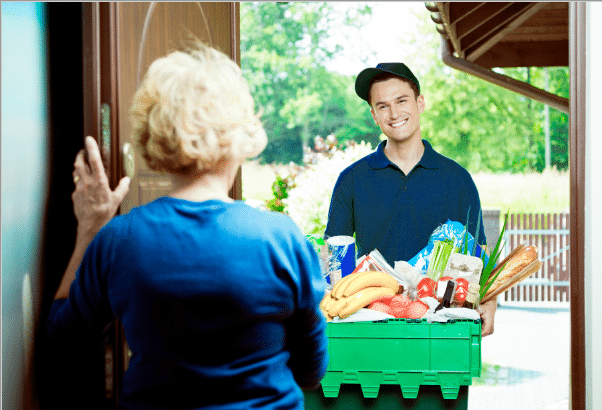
(218, 300)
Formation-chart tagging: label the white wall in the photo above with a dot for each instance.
(593, 205)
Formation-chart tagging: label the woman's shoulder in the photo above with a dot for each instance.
(261, 214)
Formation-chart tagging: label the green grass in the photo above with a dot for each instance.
(546, 192)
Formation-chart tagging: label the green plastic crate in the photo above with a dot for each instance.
(406, 352)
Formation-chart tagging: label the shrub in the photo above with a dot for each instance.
(308, 199)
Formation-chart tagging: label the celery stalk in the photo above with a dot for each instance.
(439, 257)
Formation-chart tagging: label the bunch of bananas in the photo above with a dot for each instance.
(356, 291)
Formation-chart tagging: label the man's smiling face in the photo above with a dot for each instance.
(396, 110)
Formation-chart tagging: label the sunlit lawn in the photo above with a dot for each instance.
(547, 192)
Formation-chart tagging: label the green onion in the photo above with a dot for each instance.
(488, 268)
(439, 257)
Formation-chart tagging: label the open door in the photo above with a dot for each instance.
(120, 41)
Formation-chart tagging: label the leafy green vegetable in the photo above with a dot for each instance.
(485, 281)
(439, 257)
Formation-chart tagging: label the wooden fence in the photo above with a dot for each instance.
(550, 233)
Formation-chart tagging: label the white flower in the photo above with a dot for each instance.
(308, 203)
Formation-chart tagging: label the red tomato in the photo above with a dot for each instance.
(426, 287)
(461, 290)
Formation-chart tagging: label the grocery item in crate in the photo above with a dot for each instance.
(419, 285)
(460, 237)
(341, 261)
(409, 276)
(464, 266)
(451, 314)
(447, 314)
(520, 264)
(461, 291)
(448, 291)
(356, 291)
(426, 287)
(402, 307)
(375, 261)
(472, 296)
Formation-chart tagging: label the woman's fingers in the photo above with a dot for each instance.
(79, 165)
(94, 158)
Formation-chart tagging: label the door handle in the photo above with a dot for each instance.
(105, 136)
(128, 161)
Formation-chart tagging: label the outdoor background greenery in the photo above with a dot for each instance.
(498, 135)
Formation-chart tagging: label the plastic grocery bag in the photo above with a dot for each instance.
(446, 314)
(363, 315)
(408, 276)
(375, 261)
(450, 230)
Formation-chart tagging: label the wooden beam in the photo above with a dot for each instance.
(481, 19)
(538, 34)
(553, 100)
(459, 11)
(493, 25)
(444, 12)
(526, 54)
(519, 18)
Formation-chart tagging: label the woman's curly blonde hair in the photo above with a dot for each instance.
(194, 109)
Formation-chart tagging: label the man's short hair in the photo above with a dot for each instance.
(387, 76)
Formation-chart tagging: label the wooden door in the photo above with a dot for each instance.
(149, 30)
(120, 41)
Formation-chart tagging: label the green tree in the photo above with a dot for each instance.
(284, 52)
(480, 125)
(557, 83)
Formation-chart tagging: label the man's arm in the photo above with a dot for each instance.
(340, 213)
(471, 207)
(487, 312)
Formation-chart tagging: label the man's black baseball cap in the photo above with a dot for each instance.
(362, 82)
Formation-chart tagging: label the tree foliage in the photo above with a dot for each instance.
(482, 126)
(284, 52)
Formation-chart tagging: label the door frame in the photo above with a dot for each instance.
(100, 91)
(100, 30)
(577, 135)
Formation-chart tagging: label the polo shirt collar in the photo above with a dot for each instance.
(430, 159)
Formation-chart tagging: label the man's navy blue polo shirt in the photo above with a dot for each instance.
(397, 213)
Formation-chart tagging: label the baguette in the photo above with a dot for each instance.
(524, 274)
(501, 264)
(515, 265)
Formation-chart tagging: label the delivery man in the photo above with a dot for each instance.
(394, 198)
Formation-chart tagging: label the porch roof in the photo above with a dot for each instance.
(479, 36)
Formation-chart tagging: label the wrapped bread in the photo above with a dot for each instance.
(514, 270)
